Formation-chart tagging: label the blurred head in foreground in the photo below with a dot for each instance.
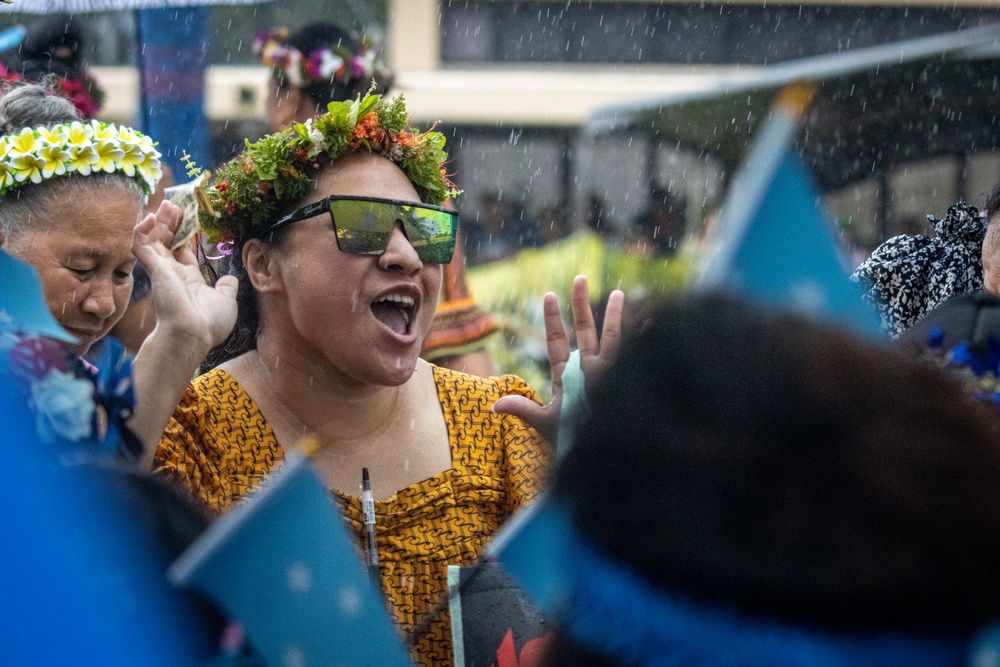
(754, 488)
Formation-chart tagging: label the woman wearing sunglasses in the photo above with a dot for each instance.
(337, 237)
(320, 63)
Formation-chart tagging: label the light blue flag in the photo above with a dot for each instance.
(11, 37)
(774, 242)
(533, 546)
(22, 306)
(283, 565)
(82, 574)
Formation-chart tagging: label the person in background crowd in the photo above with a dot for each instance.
(908, 276)
(501, 229)
(789, 495)
(322, 63)
(52, 51)
(660, 229)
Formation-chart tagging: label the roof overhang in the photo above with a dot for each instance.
(875, 107)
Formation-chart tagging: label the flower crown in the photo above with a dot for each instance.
(282, 166)
(36, 154)
(332, 63)
(84, 92)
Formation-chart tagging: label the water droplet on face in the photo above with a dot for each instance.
(406, 465)
(399, 362)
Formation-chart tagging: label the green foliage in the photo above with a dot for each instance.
(193, 170)
(282, 166)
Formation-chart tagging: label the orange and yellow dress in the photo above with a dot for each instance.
(219, 447)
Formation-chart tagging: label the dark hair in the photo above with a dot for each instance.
(317, 35)
(51, 45)
(243, 337)
(993, 203)
(792, 472)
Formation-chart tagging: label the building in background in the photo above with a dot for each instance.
(514, 81)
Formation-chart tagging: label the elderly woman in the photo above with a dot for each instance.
(338, 240)
(70, 198)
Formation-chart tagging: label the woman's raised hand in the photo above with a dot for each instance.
(191, 318)
(187, 309)
(596, 355)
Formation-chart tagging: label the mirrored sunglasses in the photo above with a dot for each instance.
(364, 225)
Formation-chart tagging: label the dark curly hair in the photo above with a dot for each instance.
(790, 471)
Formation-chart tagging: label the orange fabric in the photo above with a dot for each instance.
(220, 448)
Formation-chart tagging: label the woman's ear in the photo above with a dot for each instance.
(264, 272)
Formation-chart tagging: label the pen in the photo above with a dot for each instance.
(368, 508)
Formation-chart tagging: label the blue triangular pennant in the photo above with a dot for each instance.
(774, 242)
(533, 546)
(283, 566)
(22, 304)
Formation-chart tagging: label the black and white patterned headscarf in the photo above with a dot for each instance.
(907, 276)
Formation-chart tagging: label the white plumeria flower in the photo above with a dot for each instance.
(24, 143)
(81, 159)
(105, 134)
(54, 158)
(28, 167)
(49, 136)
(132, 158)
(77, 134)
(6, 176)
(108, 156)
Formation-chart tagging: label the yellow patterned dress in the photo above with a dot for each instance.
(219, 447)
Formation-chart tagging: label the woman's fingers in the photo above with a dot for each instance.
(556, 339)
(583, 318)
(544, 419)
(611, 334)
(228, 286)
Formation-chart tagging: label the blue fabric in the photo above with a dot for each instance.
(614, 612)
(115, 392)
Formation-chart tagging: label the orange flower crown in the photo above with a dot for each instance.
(282, 166)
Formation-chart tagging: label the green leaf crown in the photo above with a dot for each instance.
(282, 166)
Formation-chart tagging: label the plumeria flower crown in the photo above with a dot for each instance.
(332, 63)
(36, 154)
(282, 167)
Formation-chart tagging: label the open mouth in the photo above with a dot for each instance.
(396, 312)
